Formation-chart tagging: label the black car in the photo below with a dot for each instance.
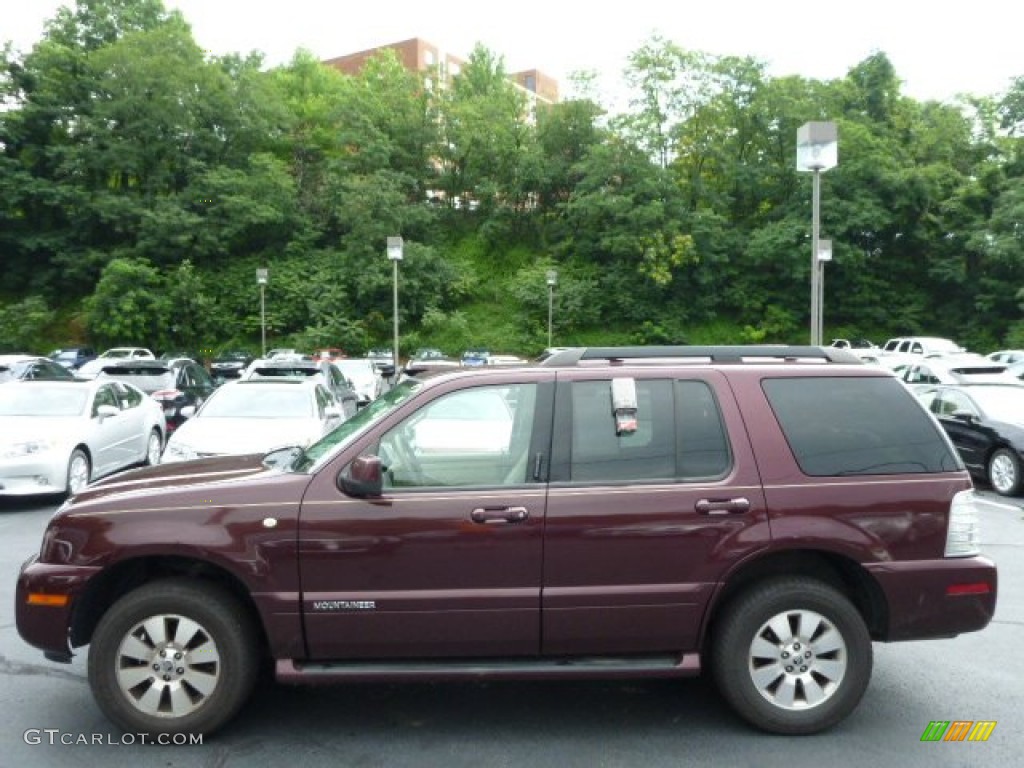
(230, 364)
(174, 384)
(31, 368)
(472, 358)
(73, 357)
(986, 424)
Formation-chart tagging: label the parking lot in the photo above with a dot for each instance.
(974, 677)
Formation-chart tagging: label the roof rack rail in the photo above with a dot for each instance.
(717, 354)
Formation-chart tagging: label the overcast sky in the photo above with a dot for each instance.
(939, 48)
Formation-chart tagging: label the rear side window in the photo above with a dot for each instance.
(599, 454)
(679, 435)
(840, 426)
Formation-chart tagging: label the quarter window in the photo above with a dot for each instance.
(857, 426)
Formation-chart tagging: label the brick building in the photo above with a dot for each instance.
(421, 56)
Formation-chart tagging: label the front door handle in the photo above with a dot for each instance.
(499, 514)
(722, 506)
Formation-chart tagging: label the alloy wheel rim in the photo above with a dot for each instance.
(1003, 473)
(797, 660)
(78, 475)
(168, 666)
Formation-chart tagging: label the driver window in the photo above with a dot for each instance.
(472, 437)
(104, 396)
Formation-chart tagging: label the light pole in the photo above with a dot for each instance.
(552, 277)
(395, 254)
(261, 278)
(824, 255)
(817, 150)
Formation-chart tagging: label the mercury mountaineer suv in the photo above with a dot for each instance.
(764, 513)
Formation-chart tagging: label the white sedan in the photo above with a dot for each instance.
(57, 436)
(91, 369)
(256, 416)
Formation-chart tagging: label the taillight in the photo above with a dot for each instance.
(963, 536)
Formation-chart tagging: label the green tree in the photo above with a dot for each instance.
(23, 324)
(131, 305)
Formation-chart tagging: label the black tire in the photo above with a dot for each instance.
(79, 471)
(754, 677)
(155, 439)
(1004, 472)
(204, 630)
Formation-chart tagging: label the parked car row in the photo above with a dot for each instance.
(990, 439)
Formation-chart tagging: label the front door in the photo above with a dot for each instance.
(117, 434)
(447, 561)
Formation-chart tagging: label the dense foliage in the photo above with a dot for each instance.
(142, 183)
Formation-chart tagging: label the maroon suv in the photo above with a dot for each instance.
(766, 512)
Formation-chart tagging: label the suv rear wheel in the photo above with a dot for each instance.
(792, 656)
(173, 656)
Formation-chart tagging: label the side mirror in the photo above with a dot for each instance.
(104, 411)
(362, 478)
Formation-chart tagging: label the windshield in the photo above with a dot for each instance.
(259, 401)
(341, 435)
(16, 400)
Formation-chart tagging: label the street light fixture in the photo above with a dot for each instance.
(395, 254)
(552, 277)
(261, 279)
(817, 150)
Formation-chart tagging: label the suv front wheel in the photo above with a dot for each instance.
(792, 656)
(173, 656)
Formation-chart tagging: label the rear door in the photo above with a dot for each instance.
(447, 561)
(641, 526)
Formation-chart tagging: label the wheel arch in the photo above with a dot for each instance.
(836, 570)
(125, 576)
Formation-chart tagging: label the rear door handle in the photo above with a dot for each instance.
(499, 514)
(722, 506)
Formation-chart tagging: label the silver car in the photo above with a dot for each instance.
(57, 436)
(256, 416)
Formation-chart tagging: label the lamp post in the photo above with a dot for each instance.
(261, 279)
(552, 277)
(817, 150)
(824, 255)
(395, 254)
